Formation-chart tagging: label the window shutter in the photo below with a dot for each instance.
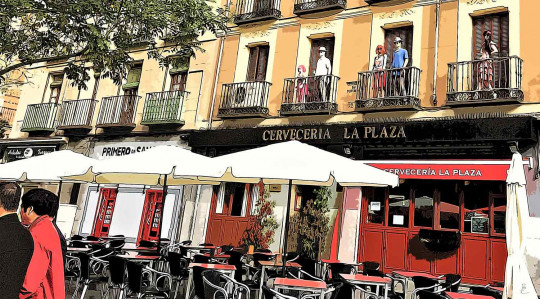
(315, 45)
(252, 64)
(406, 35)
(262, 63)
(498, 25)
(182, 67)
(133, 78)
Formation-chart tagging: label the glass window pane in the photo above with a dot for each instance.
(376, 202)
(499, 214)
(220, 198)
(238, 199)
(423, 206)
(449, 207)
(398, 206)
(254, 200)
(476, 206)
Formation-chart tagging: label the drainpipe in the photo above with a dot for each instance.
(195, 208)
(435, 60)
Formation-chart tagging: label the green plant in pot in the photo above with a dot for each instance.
(260, 232)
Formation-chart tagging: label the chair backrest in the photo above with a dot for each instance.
(206, 244)
(186, 242)
(453, 280)
(367, 265)
(177, 264)
(92, 238)
(199, 258)
(424, 282)
(334, 269)
(103, 252)
(265, 250)
(198, 281)
(145, 243)
(77, 238)
(262, 257)
(486, 291)
(135, 276)
(117, 269)
(118, 236)
(336, 290)
(235, 259)
(78, 244)
(117, 244)
(183, 251)
(226, 248)
(423, 294)
(307, 264)
(212, 290)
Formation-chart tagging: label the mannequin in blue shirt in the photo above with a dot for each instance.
(400, 60)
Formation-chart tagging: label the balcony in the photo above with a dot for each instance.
(485, 81)
(310, 6)
(77, 114)
(40, 117)
(390, 89)
(7, 114)
(161, 108)
(309, 95)
(245, 99)
(118, 111)
(248, 11)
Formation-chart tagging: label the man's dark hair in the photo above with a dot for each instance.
(43, 201)
(10, 195)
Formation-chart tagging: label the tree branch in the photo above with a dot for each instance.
(38, 60)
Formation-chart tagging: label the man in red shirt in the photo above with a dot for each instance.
(45, 275)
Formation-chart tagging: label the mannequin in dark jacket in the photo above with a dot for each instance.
(16, 243)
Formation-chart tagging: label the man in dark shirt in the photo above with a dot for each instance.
(53, 214)
(16, 243)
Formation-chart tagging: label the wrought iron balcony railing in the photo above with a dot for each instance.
(492, 80)
(7, 114)
(40, 117)
(163, 107)
(118, 111)
(245, 99)
(309, 95)
(311, 6)
(76, 114)
(248, 11)
(389, 89)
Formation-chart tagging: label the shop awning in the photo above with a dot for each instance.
(468, 170)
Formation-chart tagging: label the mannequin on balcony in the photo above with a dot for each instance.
(323, 71)
(301, 84)
(485, 69)
(400, 60)
(379, 75)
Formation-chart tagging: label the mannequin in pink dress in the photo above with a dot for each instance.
(485, 69)
(301, 85)
(379, 76)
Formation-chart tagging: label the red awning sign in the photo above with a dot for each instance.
(452, 171)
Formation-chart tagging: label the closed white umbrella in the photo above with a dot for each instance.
(517, 281)
(49, 167)
(293, 162)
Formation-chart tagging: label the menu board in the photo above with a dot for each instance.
(480, 225)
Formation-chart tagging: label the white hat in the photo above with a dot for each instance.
(397, 39)
(322, 49)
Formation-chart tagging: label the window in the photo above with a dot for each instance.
(376, 199)
(498, 25)
(258, 61)
(74, 195)
(406, 35)
(232, 199)
(476, 206)
(316, 44)
(133, 79)
(398, 206)
(56, 87)
(423, 206)
(449, 206)
(178, 81)
(499, 214)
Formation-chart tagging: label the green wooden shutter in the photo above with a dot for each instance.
(133, 78)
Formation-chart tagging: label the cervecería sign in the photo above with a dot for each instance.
(486, 172)
(346, 133)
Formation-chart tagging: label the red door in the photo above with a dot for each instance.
(102, 222)
(395, 251)
(150, 219)
(498, 259)
(229, 214)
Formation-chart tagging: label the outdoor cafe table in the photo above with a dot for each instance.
(273, 264)
(454, 295)
(209, 249)
(313, 286)
(406, 277)
(226, 269)
(375, 281)
(222, 256)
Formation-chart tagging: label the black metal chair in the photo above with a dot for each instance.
(373, 272)
(211, 284)
(178, 268)
(93, 270)
(365, 293)
(367, 265)
(198, 286)
(92, 238)
(331, 292)
(186, 242)
(199, 258)
(308, 265)
(422, 283)
(451, 282)
(334, 269)
(77, 238)
(486, 292)
(78, 244)
(117, 244)
(226, 248)
(268, 293)
(144, 281)
(235, 288)
(149, 244)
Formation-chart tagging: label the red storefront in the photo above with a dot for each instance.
(445, 217)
